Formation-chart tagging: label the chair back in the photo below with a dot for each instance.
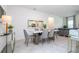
(45, 33)
(30, 31)
(51, 33)
(25, 34)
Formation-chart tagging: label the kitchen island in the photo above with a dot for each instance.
(7, 43)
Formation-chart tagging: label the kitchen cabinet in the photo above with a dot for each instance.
(7, 43)
(2, 43)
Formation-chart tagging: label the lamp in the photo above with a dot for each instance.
(6, 20)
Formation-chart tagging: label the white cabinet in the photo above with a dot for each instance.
(7, 41)
(2, 43)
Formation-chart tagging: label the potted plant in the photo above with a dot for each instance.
(65, 26)
(10, 27)
(44, 25)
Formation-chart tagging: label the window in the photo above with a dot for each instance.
(70, 22)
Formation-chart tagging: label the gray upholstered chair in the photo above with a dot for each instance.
(44, 35)
(28, 36)
(51, 34)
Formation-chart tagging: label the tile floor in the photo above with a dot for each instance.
(58, 46)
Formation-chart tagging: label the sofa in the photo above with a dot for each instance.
(63, 32)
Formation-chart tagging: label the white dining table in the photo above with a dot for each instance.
(37, 36)
(37, 31)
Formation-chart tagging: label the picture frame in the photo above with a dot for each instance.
(35, 23)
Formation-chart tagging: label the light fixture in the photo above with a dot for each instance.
(34, 9)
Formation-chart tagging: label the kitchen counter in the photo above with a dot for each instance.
(3, 41)
(4, 34)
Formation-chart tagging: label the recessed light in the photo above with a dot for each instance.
(34, 8)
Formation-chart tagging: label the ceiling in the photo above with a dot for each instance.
(60, 10)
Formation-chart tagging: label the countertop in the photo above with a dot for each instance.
(4, 34)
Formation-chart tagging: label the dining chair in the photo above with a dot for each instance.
(28, 35)
(44, 35)
(51, 34)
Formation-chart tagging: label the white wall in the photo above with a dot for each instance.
(21, 15)
(64, 21)
(58, 21)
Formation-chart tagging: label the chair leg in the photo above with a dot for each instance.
(32, 39)
(42, 41)
(53, 38)
(26, 42)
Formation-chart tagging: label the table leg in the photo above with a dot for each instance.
(55, 35)
(36, 39)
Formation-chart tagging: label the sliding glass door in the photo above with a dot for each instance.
(70, 22)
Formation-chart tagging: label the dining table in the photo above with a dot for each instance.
(37, 34)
